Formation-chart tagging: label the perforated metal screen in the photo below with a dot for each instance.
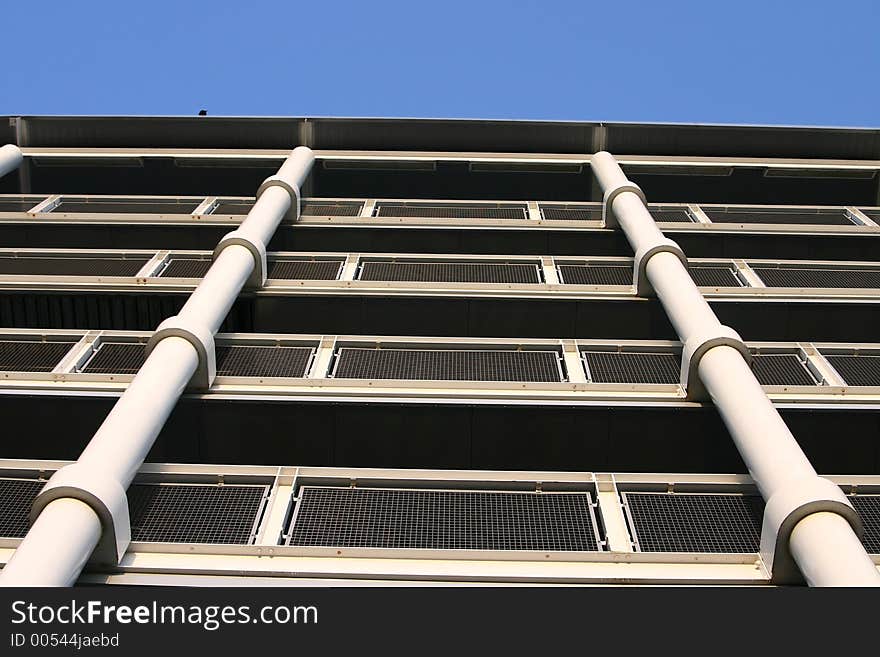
(449, 272)
(818, 277)
(186, 268)
(858, 370)
(312, 270)
(447, 364)
(43, 266)
(195, 513)
(16, 498)
(451, 211)
(443, 520)
(330, 209)
(714, 276)
(31, 356)
(571, 213)
(270, 361)
(692, 522)
(116, 358)
(834, 217)
(781, 370)
(596, 274)
(632, 367)
(868, 508)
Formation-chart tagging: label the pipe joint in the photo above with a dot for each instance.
(202, 340)
(789, 505)
(104, 495)
(641, 283)
(694, 350)
(609, 219)
(290, 187)
(239, 237)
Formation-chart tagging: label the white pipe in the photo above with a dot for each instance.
(56, 547)
(830, 554)
(211, 300)
(10, 158)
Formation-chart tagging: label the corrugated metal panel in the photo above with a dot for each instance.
(596, 274)
(451, 211)
(818, 277)
(447, 364)
(31, 356)
(632, 367)
(326, 270)
(253, 360)
(116, 358)
(714, 276)
(691, 522)
(781, 370)
(43, 266)
(443, 520)
(857, 370)
(16, 498)
(450, 272)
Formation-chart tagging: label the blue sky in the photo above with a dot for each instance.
(804, 63)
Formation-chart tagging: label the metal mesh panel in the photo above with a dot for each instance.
(596, 274)
(817, 277)
(233, 206)
(553, 213)
(781, 370)
(263, 361)
(16, 498)
(329, 209)
(439, 211)
(128, 205)
(187, 513)
(833, 217)
(447, 365)
(671, 216)
(449, 272)
(873, 215)
(19, 203)
(117, 358)
(714, 276)
(443, 520)
(632, 367)
(27, 356)
(186, 268)
(686, 522)
(859, 370)
(868, 507)
(42, 266)
(326, 270)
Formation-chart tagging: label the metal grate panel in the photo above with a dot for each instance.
(439, 211)
(186, 268)
(248, 360)
(443, 520)
(195, 513)
(31, 356)
(858, 370)
(714, 276)
(596, 274)
(42, 266)
(781, 370)
(868, 507)
(127, 205)
(690, 522)
(331, 209)
(632, 367)
(312, 270)
(447, 365)
(16, 498)
(833, 217)
(450, 272)
(19, 203)
(117, 358)
(671, 216)
(817, 277)
(234, 206)
(586, 213)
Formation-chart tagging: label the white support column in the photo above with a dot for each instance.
(616, 532)
(822, 367)
(179, 354)
(321, 365)
(369, 208)
(715, 357)
(551, 274)
(861, 217)
(10, 158)
(534, 211)
(276, 512)
(571, 356)
(206, 207)
(46, 205)
(349, 269)
(154, 265)
(747, 274)
(698, 214)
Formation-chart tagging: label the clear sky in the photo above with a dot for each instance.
(745, 61)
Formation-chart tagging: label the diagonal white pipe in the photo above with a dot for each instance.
(10, 158)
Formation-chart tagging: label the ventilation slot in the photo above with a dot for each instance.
(16, 498)
(116, 358)
(449, 272)
(448, 365)
(263, 361)
(632, 367)
(714, 276)
(452, 211)
(23, 356)
(193, 513)
(127, 205)
(443, 520)
(186, 268)
(804, 277)
(42, 266)
(306, 270)
(781, 370)
(831, 217)
(861, 370)
(331, 209)
(868, 507)
(596, 274)
(571, 213)
(686, 522)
